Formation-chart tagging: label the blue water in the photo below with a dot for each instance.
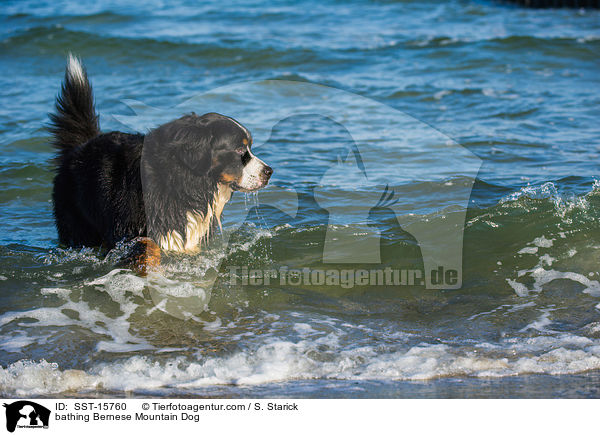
(474, 112)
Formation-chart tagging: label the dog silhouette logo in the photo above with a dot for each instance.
(26, 414)
(382, 182)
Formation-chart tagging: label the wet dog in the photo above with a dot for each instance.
(166, 189)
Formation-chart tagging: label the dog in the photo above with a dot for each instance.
(165, 189)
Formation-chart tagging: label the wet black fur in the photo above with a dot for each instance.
(116, 186)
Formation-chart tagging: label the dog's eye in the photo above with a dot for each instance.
(246, 158)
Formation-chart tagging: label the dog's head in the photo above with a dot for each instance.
(211, 145)
(233, 162)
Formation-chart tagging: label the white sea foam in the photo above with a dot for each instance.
(542, 274)
(60, 292)
(542, 242)
(541, 323)
(520, 289)
(15, 342)
(283, 360)
(93, 320)
(27, 378)
(563, 204)
(529, 250)
(441, 94)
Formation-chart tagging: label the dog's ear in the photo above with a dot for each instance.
(177, 142)
(195, 154)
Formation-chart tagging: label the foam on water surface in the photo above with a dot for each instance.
(245, 347)
(281, 360)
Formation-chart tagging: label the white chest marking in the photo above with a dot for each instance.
(198, 225)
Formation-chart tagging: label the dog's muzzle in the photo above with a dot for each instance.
(255, 176)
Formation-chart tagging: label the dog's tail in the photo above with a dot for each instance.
(75, 121)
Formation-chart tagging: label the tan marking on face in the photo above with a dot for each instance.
(245, 141)
(228, 178)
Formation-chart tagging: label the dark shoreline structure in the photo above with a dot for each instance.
(590, 4)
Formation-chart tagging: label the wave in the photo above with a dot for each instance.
(509, 42)
(319, 357)
(306, 345)
(566, 206)
(57, 40)
(103, 17)
(44, 40)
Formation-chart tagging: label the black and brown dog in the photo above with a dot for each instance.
(167, 189)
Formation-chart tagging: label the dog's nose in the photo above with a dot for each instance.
(267, 170)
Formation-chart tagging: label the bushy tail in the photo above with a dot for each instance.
(75, 121)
